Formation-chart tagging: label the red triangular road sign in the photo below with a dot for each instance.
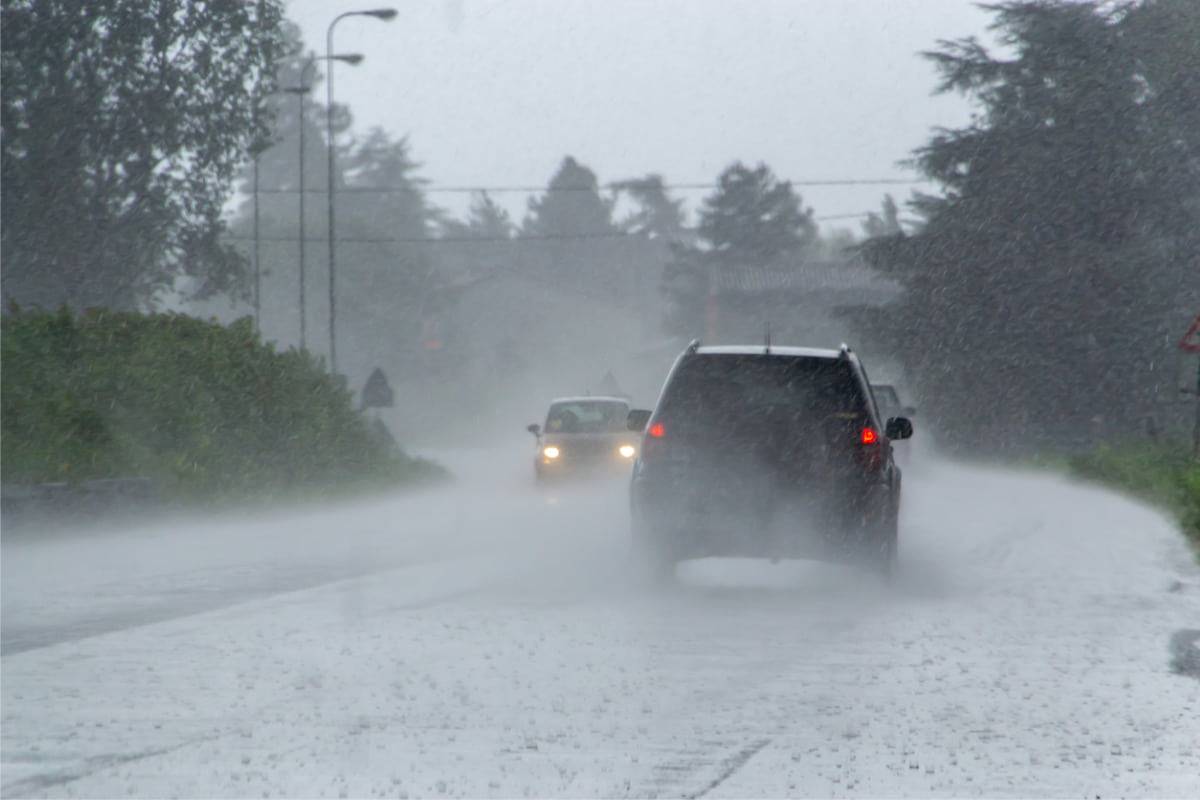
(1191, 339)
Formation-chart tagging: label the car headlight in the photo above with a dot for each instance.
(627, 451)
(550, 451)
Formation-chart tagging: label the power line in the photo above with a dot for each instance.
(416, 187)
(442, 239)
(855, 215)
(436, 239)
(560, 237)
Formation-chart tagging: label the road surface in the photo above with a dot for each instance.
(486, 639)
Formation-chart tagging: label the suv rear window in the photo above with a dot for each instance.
(712, 389)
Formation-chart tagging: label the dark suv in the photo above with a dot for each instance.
(775, 452)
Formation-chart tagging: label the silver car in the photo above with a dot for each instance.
(584, 435)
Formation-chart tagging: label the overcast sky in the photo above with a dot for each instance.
(496, 92)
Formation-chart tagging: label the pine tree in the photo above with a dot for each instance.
(571, 207)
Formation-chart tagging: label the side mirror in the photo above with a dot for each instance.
(534, 428)
(899, 428)
(637, 419)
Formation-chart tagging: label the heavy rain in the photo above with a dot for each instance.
(504, 398)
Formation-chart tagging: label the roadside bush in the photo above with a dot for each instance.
(1162, 474)
(206, 411)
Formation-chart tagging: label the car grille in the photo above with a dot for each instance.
(587, 449)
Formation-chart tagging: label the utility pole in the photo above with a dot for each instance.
(301, 91)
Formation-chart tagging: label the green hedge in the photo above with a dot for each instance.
(1159, 473)
(207, 411)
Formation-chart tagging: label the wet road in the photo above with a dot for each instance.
(487, 639)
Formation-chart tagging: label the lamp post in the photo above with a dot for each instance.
(384, 14)
(300, 91)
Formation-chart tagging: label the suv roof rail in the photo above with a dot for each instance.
(693, 345)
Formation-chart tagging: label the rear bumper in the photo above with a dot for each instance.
(825, 520)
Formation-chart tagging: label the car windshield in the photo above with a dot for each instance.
(586, 416)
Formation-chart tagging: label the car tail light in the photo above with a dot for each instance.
(653, 444)
(870, 455)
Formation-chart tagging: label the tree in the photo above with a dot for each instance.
(386, 268)
(397, 204)
(572, 206)
(658, 215)
(886, 222)
(385, 228)
(836, 244)
(278, 247)
(278, 156)
(1044, 285)
(485, 220)
(753, 217)
(124, 122)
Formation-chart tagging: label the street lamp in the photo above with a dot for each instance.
(384, 14)
(300, 91)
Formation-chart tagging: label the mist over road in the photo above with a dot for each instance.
(487, 639)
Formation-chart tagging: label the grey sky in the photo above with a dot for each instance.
(495, 92)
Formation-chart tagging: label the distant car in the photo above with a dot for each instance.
(584, 435)
(776, 452)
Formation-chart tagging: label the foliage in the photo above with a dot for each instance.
(657, 214)
(486, 221)
(206, 411)
(754, 218)
(386, 270)
(572, 206)
(123, 124)
(384, 221)
(751, 219)
(886, 222)
(1158, 473)
(1048, 284)
(297, 77)
(513, 309)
